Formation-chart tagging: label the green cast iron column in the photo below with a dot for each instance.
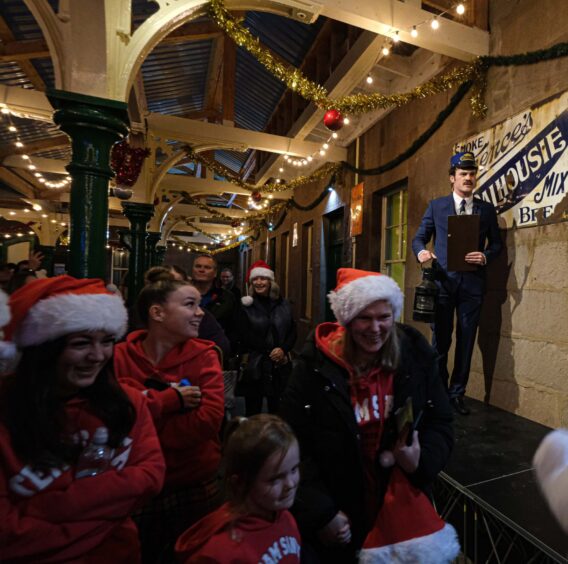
(151, 252)
(94, 125)
(139, 215)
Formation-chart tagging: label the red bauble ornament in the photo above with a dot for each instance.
(256, 196)
(333, 120)
(235, 223)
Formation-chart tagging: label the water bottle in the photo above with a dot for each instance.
(96, 456)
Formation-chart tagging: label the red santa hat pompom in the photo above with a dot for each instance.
(259, 268)
(49, 308)
(408, 529)
(357, 289)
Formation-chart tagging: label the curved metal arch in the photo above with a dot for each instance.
(171, 161)
(169, 17)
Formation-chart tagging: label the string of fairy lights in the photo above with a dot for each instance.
(13, 133)
(434, 22)
(295, 80)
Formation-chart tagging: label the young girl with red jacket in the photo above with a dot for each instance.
(262, 475)
(181, 378)
(61, 394)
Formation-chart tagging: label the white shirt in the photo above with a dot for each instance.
(468, 204)
(468, 211)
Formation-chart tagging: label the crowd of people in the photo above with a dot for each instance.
(117, 444)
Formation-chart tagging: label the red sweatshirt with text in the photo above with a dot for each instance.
(51, 517)
(189, 438)
(224, 537)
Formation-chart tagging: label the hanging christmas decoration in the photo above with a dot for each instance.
(127, 162)
(256, 196)
(235, 223)
(333, 120)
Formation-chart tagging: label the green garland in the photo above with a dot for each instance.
(272, 187)
(418, 143)
(295, 80)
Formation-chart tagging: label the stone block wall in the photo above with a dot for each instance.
(521, 361)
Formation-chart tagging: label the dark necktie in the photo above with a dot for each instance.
(462, 207)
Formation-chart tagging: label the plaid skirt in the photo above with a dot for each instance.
(169, 514)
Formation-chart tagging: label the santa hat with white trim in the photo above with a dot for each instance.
(357, 289)
(259, 268)
(49, 308)
(408, 529)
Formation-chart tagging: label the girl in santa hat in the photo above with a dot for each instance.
(61, 399)
(267, 334)
(352, 376)
(261, 461)
(181, 377)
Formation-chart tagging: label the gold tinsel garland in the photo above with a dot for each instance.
(272, 187)
(219, 215)
(195, 248)
(354, 103)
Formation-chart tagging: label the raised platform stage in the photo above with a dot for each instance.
(489, 493)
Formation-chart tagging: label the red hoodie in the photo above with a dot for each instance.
(189, 439)
(49, 517)
(223, 537)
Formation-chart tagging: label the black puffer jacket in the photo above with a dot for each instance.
(317, 405)
(264, 325)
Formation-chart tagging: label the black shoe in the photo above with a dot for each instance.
(459, 406)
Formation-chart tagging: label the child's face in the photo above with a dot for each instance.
(275, 486)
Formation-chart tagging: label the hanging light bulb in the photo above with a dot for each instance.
(369, 79)
(310, 159)
(12, 128)
(345, 121)
(335, 135)
(280, 169)
(460, 9)
(435, 23)
(386, 50)
(396, 36)
(325, 146)
(414, 31)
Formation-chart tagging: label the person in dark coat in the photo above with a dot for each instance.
(350, 379)
(461, 293)
(227, 279)
(267, 334)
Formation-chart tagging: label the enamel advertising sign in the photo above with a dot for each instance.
(523, 165)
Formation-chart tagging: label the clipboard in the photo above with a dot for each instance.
(463, 238)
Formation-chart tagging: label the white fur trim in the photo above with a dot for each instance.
(355, 296)
(60, 315)
(261, 271)
(440, 547)
(8, 350)
(551, 467)
(247, 301)
(4, 309)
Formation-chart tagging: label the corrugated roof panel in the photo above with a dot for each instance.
(257, 91)
(233, 160)
(28, 132)
(20, 20)
(12, 75)
(44, 67)
(175, 77)
(288, 38)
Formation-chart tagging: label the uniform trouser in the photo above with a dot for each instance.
(467, 308)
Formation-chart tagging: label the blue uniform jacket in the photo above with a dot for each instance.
(435, 224)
